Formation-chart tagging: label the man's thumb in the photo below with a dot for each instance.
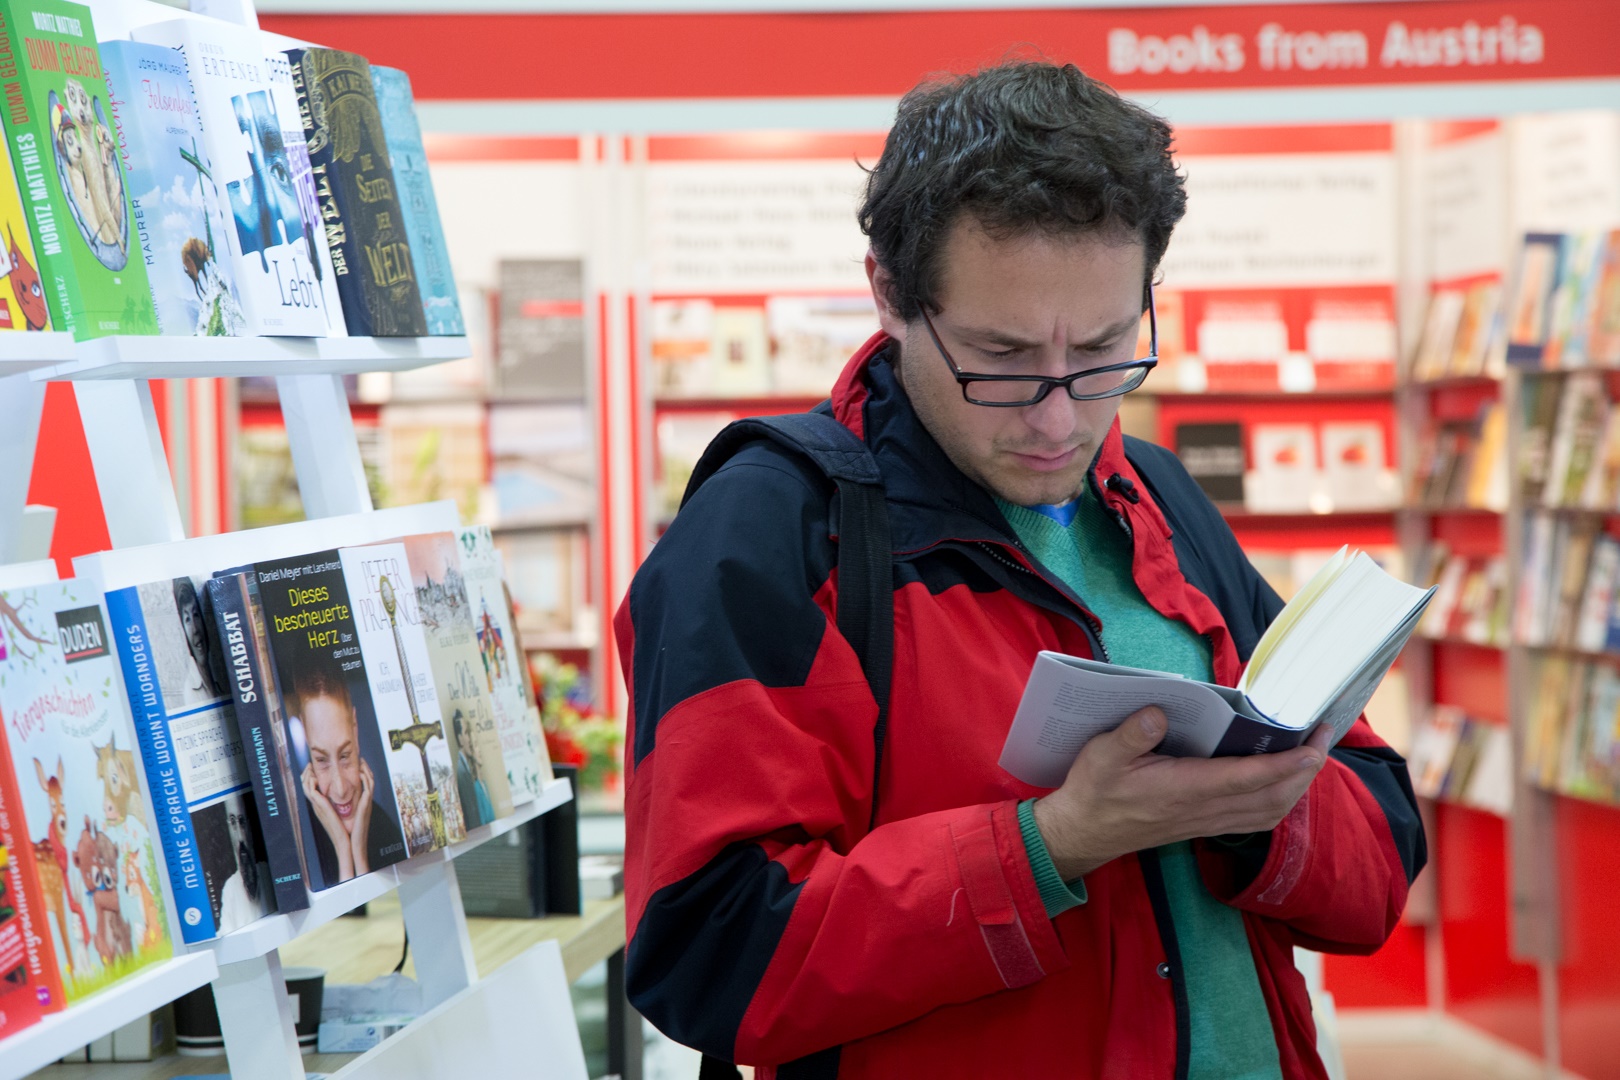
(1142, 731)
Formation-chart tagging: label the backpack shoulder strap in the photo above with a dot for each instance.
(865, 579)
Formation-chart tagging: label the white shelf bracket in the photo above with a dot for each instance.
(436, 924)
(132, 471)
(22, 401)
(256, 1018)
(326, 456)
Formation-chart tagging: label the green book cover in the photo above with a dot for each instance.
(58, 127)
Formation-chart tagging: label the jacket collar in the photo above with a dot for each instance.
(930, 499)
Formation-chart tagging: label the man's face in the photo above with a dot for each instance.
(1033, 305)
(334, 751)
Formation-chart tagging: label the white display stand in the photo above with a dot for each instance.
(519, 1019)
(123, 1003)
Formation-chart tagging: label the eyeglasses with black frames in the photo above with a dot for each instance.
(1090, 384)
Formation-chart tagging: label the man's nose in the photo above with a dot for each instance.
(1055, 417)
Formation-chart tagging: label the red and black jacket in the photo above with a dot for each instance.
(771, 924)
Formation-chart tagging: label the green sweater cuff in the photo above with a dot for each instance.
(1056, 895)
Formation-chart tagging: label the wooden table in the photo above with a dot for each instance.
(355, 950)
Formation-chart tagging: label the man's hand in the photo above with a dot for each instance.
(1121, 797)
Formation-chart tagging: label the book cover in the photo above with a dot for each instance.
(399, 670)
(347, 816)
(1603, 333)
(466, 703)
(250, 671)
(500, 660)
(24, 940)
(59, 128)
(72, 746)
(176, 205)
(360, 206)
(1530, 314)
(1472, 340)
(269, 247)
(1285, 477)
(403, 135)
(22, 294)
(1353, 466)
(541, 331)
(1213, 456)
(178, 693)
(285, 97)
(1582, 410)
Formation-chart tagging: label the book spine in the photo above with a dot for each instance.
(234, 615)
(25, 894)
(28, 138)
(359, 203)
(163, 773)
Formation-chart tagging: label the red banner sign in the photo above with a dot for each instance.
(797, 54)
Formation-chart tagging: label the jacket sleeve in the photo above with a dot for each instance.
(766, 923)
(1336, 870)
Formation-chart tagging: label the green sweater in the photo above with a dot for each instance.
(1230, 1030)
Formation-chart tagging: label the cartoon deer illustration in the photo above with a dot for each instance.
(96, 858)
(115, 769)
(135, 882)
(51, 858)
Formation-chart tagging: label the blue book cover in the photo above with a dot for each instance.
(179, 224)
(416, 202)
(191, 748)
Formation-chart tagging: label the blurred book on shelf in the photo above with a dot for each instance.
(1462, 759)
(682, 438)
(1213, 456)
(1462, 463)
(1572, 744)
(540, 335)
(1458, 330)
(1564, 301)
(546, 571)
(433, 451)
(1471, 598)
(1567, 585)
(542, 469)
(789, 346)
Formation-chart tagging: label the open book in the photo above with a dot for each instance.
(1318, 663)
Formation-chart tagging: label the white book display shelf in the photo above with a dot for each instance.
(520, 1019)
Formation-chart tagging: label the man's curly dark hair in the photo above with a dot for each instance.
(1023, 147)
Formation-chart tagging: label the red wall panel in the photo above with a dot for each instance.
(1589, 977)
(1484, 986)
(63, 478)
(1391, 978)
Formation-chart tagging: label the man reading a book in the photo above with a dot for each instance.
(822, 895)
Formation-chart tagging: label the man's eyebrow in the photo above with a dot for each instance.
(992, 336)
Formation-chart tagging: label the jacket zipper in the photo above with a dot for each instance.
(1093, 623)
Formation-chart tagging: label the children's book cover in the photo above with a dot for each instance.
(72, 747)
(400, 672)
(465, 701)
(371, 251)
(500, 661)
(416, 202)
(285, 96)
(59, 127)
(348, 817)
(250, 671)
(23, 942)
(271, 246)
(179, 225)
(22, 294)
(185, 722)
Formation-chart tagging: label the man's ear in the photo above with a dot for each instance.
(883, 296)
